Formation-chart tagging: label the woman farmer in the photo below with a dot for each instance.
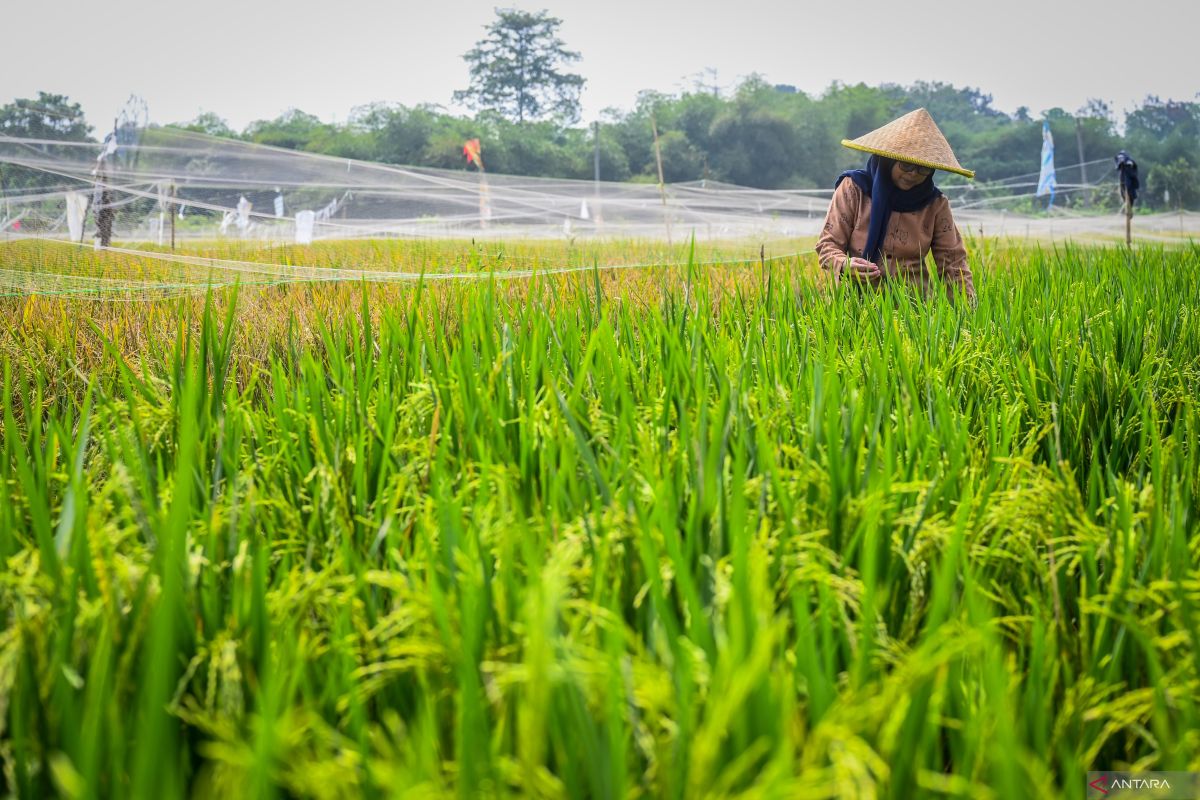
(885, 219)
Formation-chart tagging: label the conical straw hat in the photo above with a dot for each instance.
(915, 138)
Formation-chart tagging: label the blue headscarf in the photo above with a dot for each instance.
(876, 182)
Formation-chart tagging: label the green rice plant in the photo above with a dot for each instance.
(696, 531)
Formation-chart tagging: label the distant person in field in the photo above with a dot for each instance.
(884, 220)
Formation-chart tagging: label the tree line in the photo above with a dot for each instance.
(760, 134)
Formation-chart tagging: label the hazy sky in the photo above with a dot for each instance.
(247, 59)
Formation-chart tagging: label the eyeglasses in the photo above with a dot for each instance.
(906, 166)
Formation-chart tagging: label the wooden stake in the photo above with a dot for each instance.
(483, 198)
(762, 264)
(4, 195)
(104, 210)
(172, 212)
(597, 213)
(1128, 218)
(162, 214)
(596, 156)
(662, 188)
(1082, 164)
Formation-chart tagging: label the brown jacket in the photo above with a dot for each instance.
(910, 237)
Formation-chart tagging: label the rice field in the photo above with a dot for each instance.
(704, 530)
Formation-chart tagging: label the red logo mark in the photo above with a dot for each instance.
(1099, 784)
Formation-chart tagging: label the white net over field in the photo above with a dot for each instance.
(230, 205)
(221, 187)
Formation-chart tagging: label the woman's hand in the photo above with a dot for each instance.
(859, 269)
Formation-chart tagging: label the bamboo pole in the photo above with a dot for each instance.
(162, 214)
(1082, 164)
(484, 199)
(104, 209)
(662, 187)
(597, 213)
(1128, 217)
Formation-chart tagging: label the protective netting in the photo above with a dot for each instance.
(228, 188)
(55, 267)
(189, 211)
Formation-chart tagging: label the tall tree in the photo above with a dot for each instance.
(208, 123)
(518, 69)
(293, 128)
(753, 147)
(50, 116)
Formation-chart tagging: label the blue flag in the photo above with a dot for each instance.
(1046, 180)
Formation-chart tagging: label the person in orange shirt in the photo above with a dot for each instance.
(885, 220)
